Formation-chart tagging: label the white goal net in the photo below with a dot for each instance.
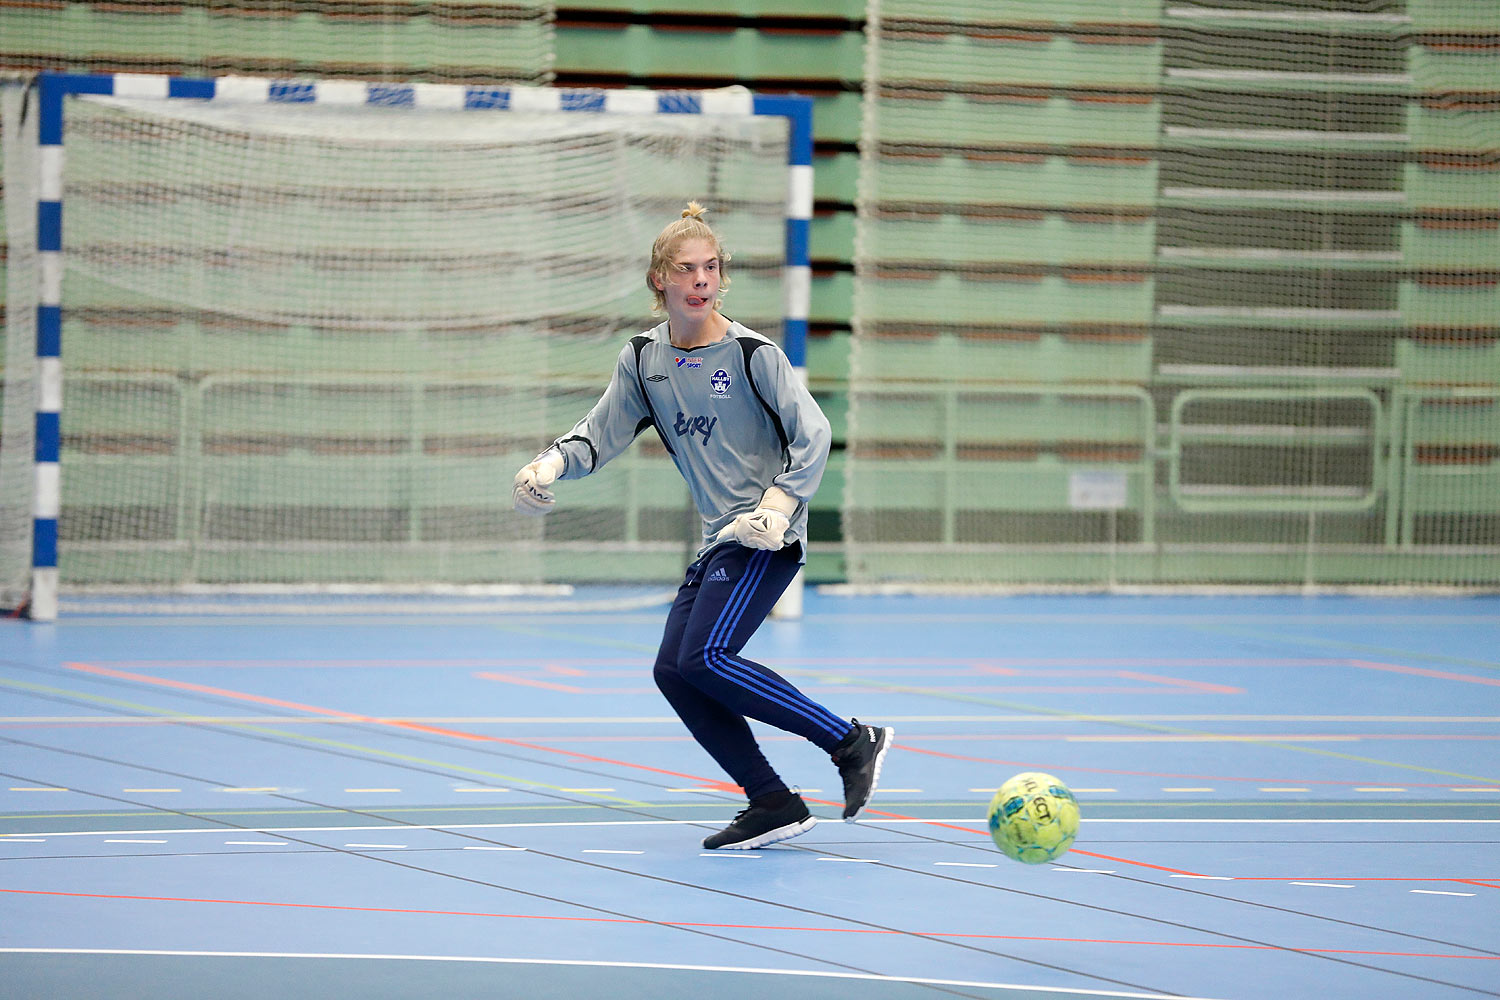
(308, 345)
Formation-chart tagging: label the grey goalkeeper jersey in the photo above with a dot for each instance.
(733, 415)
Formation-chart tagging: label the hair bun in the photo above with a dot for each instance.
(693, 211)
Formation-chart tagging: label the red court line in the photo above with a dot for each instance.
(459, 734)
(1396, 668)
(486, 675)
(1203, 686)
(438, 730)
(748, 927)
(1357, 878)
(529, 682)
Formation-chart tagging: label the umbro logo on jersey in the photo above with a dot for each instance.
(689, 362)
(718, 576)
(656, 378)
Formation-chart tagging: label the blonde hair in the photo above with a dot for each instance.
(689, 227)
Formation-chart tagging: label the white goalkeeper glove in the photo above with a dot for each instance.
(531, 495)
(766, 526)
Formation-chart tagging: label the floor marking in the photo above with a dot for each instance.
(1378, 788)
(1276, 788)
(581, 720)
(1425, 672)
(488, 848)
(948, 822)
(1323, 885)
(481, 789)
(1485, 788)
(798, 929)
(377, 847)
(961, 864)
(1083, 871)
(1187, 789)
(336, 713)
(853, 861)
(135, 841)
(252, 790)
(592, 850)
(21, 840)
(372, 789)
(600, 964)
(152, 791)
(254, 843)
(1206, 878)
(586, 789)
(35, 789)
(727, 854)
(1439, 892)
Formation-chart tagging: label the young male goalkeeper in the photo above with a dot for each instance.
(752, 445)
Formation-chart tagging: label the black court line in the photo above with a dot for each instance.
(908, 834)
(490, 750)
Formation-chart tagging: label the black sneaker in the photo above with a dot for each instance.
(763, 824)
(859, 759)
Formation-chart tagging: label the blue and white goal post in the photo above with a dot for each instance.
(53, 91)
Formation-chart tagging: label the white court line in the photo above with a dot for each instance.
(571, 720)
(1323, 885)
(255, 843)
(960, 864)
(477, 847)
(1206, 878)
(1439, 892)
(592, 850)
(854, 861)
(135, 841)
(978, 821)
(21, 840)
(669, 966)
(727, 854)
(377, 847)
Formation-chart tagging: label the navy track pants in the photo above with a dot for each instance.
(723, 599)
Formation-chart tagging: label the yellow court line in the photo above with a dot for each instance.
(317, 741)
(1120, 721)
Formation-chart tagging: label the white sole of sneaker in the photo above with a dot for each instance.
(770, 837)
(890, 738)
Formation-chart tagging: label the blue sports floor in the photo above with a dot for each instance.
(1282, 797)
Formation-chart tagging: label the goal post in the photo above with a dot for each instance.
(312, 326)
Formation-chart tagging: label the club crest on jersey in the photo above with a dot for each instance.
(689, 362)
(720, 382)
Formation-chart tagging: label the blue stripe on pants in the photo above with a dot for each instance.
(723, 600)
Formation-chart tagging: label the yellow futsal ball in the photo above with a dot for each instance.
(1033, 818)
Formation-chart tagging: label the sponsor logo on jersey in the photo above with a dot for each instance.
(720, 381)
(689, 362)
(686, 425)
(718, 576)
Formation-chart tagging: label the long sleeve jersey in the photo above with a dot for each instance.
(733, 415)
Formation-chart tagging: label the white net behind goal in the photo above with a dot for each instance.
(310, 345)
